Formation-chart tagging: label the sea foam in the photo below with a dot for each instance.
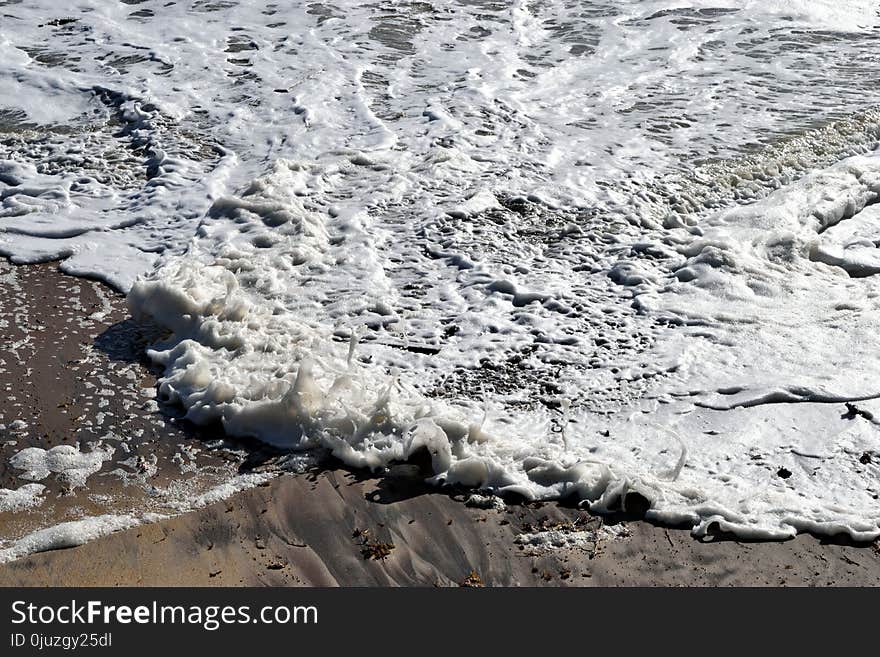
(624, 253)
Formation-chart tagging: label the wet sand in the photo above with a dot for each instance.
(73, 372)
(329, 527)
(309, 530)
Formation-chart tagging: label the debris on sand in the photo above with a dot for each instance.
(472, 581)
(370, 549)
(578, 534)
(487, 502)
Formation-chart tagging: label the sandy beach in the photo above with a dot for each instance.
(568, 294)
(310, 531)
(324, 527)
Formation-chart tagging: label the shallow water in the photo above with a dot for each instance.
(568, 247)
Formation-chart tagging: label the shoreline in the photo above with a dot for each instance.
(333, 528)
(326, 527)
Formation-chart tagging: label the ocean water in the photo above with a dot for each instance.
(621, 251)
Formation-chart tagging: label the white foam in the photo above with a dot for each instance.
(853, 15)
(539, 542)
(221, 491)
(77, 532)
(67, 534)
(71, 466)
(255, 347)
(121, 141)
(27, 496)
(497, 234)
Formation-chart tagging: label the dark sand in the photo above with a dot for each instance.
(73, 371)
(324, 528)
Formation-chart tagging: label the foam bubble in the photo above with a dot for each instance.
(71, 466)
(27, 496)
